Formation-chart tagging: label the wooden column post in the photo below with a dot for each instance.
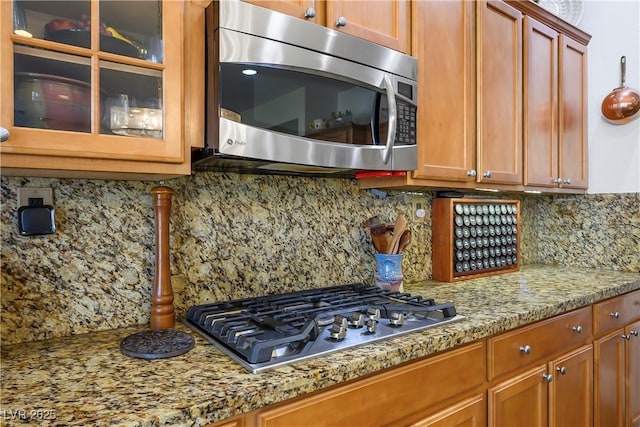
(162, 309)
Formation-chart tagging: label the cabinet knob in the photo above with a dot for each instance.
(567, 181)
(310, 13)
(547, 377)
(341, 22)
(577, 329)
(526, 349)
(615, 315)
(472, 173)
(626, 337)
(562, 370)
(487, 174)
(634, 333)
(557, 181)
(4, 134)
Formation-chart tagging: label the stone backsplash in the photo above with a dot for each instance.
(236, 236)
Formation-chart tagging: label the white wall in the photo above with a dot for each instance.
(614, 150)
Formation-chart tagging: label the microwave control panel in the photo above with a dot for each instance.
(406, 127)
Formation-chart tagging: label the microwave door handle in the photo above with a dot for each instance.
(391, 105)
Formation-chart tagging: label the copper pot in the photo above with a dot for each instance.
(52, 102)
(622, 105)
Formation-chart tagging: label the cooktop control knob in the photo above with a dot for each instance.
(356, 320)
(372, 326)
(338, 330)
(396, 319)
(373, 313)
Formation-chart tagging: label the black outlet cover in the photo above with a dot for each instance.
(36, 220)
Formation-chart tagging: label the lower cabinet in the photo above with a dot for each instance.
(556, 393)
(400, 396)
(617, 361)
(470, 412)
(632, 334)
(519, 401)
(617, 378)
(571, 389)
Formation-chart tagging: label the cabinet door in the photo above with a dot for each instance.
(310, 10)
(609, 379)
(499, 93)
(633, 374)
(573, 113)
(101, 90)
(540, 75)
(468, 413)
(387, 398)
(571, 391)
(444, 45)
(385, 22)
(520, 401)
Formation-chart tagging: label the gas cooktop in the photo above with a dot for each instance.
(274, 330)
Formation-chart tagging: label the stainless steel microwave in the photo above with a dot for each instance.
(284, 95)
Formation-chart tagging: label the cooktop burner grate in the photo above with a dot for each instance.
(273, 330)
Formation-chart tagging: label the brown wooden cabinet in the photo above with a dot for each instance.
(556, 387)
(470, 412)
(617, 361)
(520, 400)
(571, 390)
(554, 108)
(499, 80)
(399, 396)
(573, 114)
(385, 22)
(632, 335)
(444, 45)
(540, 70)
(92, 73)
(514, 350)
(558, 393)
(476, 129)
(469, 96)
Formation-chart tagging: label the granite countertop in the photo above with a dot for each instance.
(85, 380)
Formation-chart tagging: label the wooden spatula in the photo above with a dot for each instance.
(398, 228)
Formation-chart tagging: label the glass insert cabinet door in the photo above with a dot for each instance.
(93, 78)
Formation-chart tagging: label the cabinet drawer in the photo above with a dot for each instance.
(388, 397)
(616, 312)
(516, 349)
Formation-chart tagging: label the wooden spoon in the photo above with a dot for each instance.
(405, 239)
(398, 228)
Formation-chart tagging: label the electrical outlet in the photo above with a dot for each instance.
(24, 194)
(418, 209)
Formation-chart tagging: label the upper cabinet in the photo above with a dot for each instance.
(385, 22)
(572, 172)
(555, 69)
(499, 80)
(501, 99)
(444, 45)
(95, 89)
